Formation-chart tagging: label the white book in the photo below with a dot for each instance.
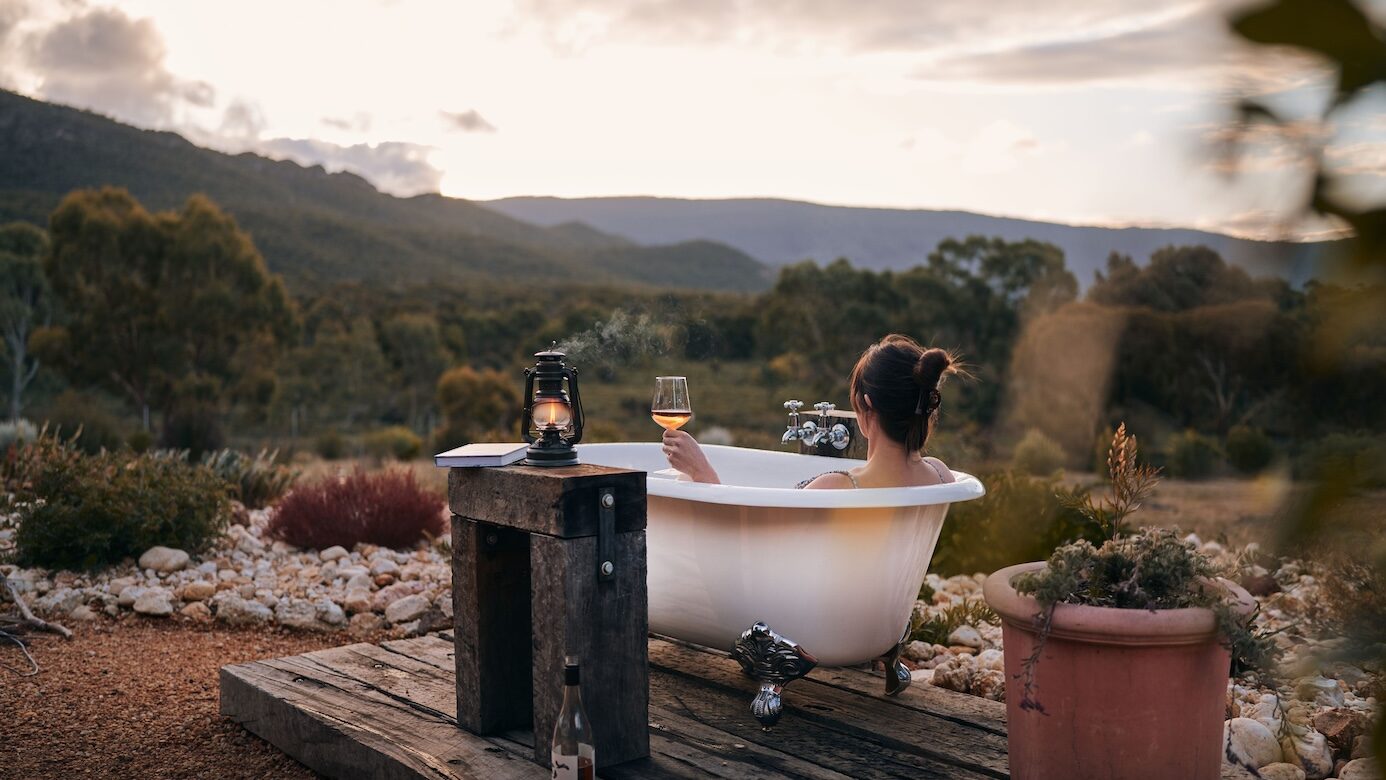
(474, 455)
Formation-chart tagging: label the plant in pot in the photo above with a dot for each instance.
(1117, 657)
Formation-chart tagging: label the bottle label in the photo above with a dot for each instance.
(579, 767)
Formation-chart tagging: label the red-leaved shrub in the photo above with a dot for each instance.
(387, 508)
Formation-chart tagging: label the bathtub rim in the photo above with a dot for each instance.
(965, 488)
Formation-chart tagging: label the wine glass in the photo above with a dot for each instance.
(671, 407)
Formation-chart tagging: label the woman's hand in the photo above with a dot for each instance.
(685, 455)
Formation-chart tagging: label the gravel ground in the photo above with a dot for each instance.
(137, 698)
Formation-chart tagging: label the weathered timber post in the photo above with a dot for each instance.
(548, 562)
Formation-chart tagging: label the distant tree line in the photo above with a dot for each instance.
(172, 319)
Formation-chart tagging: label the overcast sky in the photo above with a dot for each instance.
(1080, 111)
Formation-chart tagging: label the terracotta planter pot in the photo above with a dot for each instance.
(1127, 693)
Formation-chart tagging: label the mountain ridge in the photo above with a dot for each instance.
(318, 228)
(779, 231)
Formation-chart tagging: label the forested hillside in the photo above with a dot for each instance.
(318, 228)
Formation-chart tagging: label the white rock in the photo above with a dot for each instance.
(207, 567)
(1248, 743)
(361, 582)
(989, 684)
(227, 574)
(967, 636)
(1319, 690)
(918, 651)
(82, 612)
(1359, 769)
(196, 610)
(357, 600)
(1310, 751)
(129, 594)
(333, 553)
(156, 602)
(329, 612)
(58, 601)
(444, 604)
(163, 559)
(991, 659)
(407, 608)
(199, 591)
(115, 586)
(237, 611)
(954, 673)
(297, 613)
(384, 566)
(1281, 771)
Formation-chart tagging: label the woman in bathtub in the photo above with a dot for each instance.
(895, 393)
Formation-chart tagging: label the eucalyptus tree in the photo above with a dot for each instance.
(160, 301)
(25, 302)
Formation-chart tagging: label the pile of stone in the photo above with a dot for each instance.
(249, 580)
(1315, 722)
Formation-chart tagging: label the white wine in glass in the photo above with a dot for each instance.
(671, 407)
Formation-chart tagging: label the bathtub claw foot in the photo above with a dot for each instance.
(767, 706)
(897, 676)
(775, 661)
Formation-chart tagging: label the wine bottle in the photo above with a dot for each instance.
(572, 753)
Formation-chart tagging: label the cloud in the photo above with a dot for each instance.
(11, 13)
(360, 123)
(1017, 42)
(242, 120)
(469, 121)
(395, 167)
(1192, 45)
(103, 60)
(850, 24)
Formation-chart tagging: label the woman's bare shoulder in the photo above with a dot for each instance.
(833, 480)
(945, 474)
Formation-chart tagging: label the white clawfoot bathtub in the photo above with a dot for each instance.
(837, 571)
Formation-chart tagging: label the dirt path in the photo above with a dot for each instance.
(138, 699)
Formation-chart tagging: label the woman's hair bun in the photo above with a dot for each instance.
(931, 366)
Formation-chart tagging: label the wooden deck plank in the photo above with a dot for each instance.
(826, 737)
(343, 730)
(887, 721)
(389, 711)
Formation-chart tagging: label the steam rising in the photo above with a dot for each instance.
(621, 339)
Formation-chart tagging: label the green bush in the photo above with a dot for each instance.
(395, 442)
(330, 445)
(1191, 455)
(1353, 459)
(195, 427)
(1020, 519)
(1249, 450)
(255, 480)
(1037, 454)
(72, 413)
(140, 441)
(86, 512)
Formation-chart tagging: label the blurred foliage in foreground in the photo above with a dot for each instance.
(1341, 34)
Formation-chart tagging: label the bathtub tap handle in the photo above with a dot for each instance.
(836, 434)
(793, 430)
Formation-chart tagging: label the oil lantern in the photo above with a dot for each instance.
(552, 419)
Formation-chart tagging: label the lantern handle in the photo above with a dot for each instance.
(529, 406)
(571, 373)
